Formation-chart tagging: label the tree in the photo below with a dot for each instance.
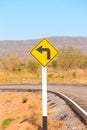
(70, 58)
(11, 63)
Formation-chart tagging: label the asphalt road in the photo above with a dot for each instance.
(76, 92)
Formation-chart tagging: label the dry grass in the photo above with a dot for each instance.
(18, 78)
(70, 76)
(23, 111)
(74, 76)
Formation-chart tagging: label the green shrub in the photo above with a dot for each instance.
(6, 122)
(54, 64)
(84, 65)
(74, 74)
(32, 66)
(50, 75)
(62, 77)
(36, 116)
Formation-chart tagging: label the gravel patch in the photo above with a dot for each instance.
(61, 111)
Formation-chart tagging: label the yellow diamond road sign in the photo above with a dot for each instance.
(44, 52)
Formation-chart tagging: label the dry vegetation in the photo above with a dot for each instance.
(69, 67)
(23, 111)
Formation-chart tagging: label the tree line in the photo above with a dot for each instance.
(68, 58)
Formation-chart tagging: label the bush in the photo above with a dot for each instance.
(6, 122)
(50, 75)
(32, 66)
(74, 74)
(70, 58)
(84, 64)
(54, 64)
(11, 63)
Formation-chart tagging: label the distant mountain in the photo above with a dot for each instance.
(22, 48)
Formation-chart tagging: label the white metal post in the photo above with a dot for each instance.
(44, 97)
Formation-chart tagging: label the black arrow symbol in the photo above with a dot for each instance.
(41, 49)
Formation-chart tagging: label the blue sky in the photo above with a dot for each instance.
(32, 19)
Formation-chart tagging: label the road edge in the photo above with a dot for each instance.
(76, 108)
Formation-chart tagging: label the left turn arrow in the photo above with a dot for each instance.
(41, 49)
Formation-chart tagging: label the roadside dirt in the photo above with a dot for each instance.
(23, 111)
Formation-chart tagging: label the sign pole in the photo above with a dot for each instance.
(44, 98)
(44, 52)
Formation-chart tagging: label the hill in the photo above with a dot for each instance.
(21, 48)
